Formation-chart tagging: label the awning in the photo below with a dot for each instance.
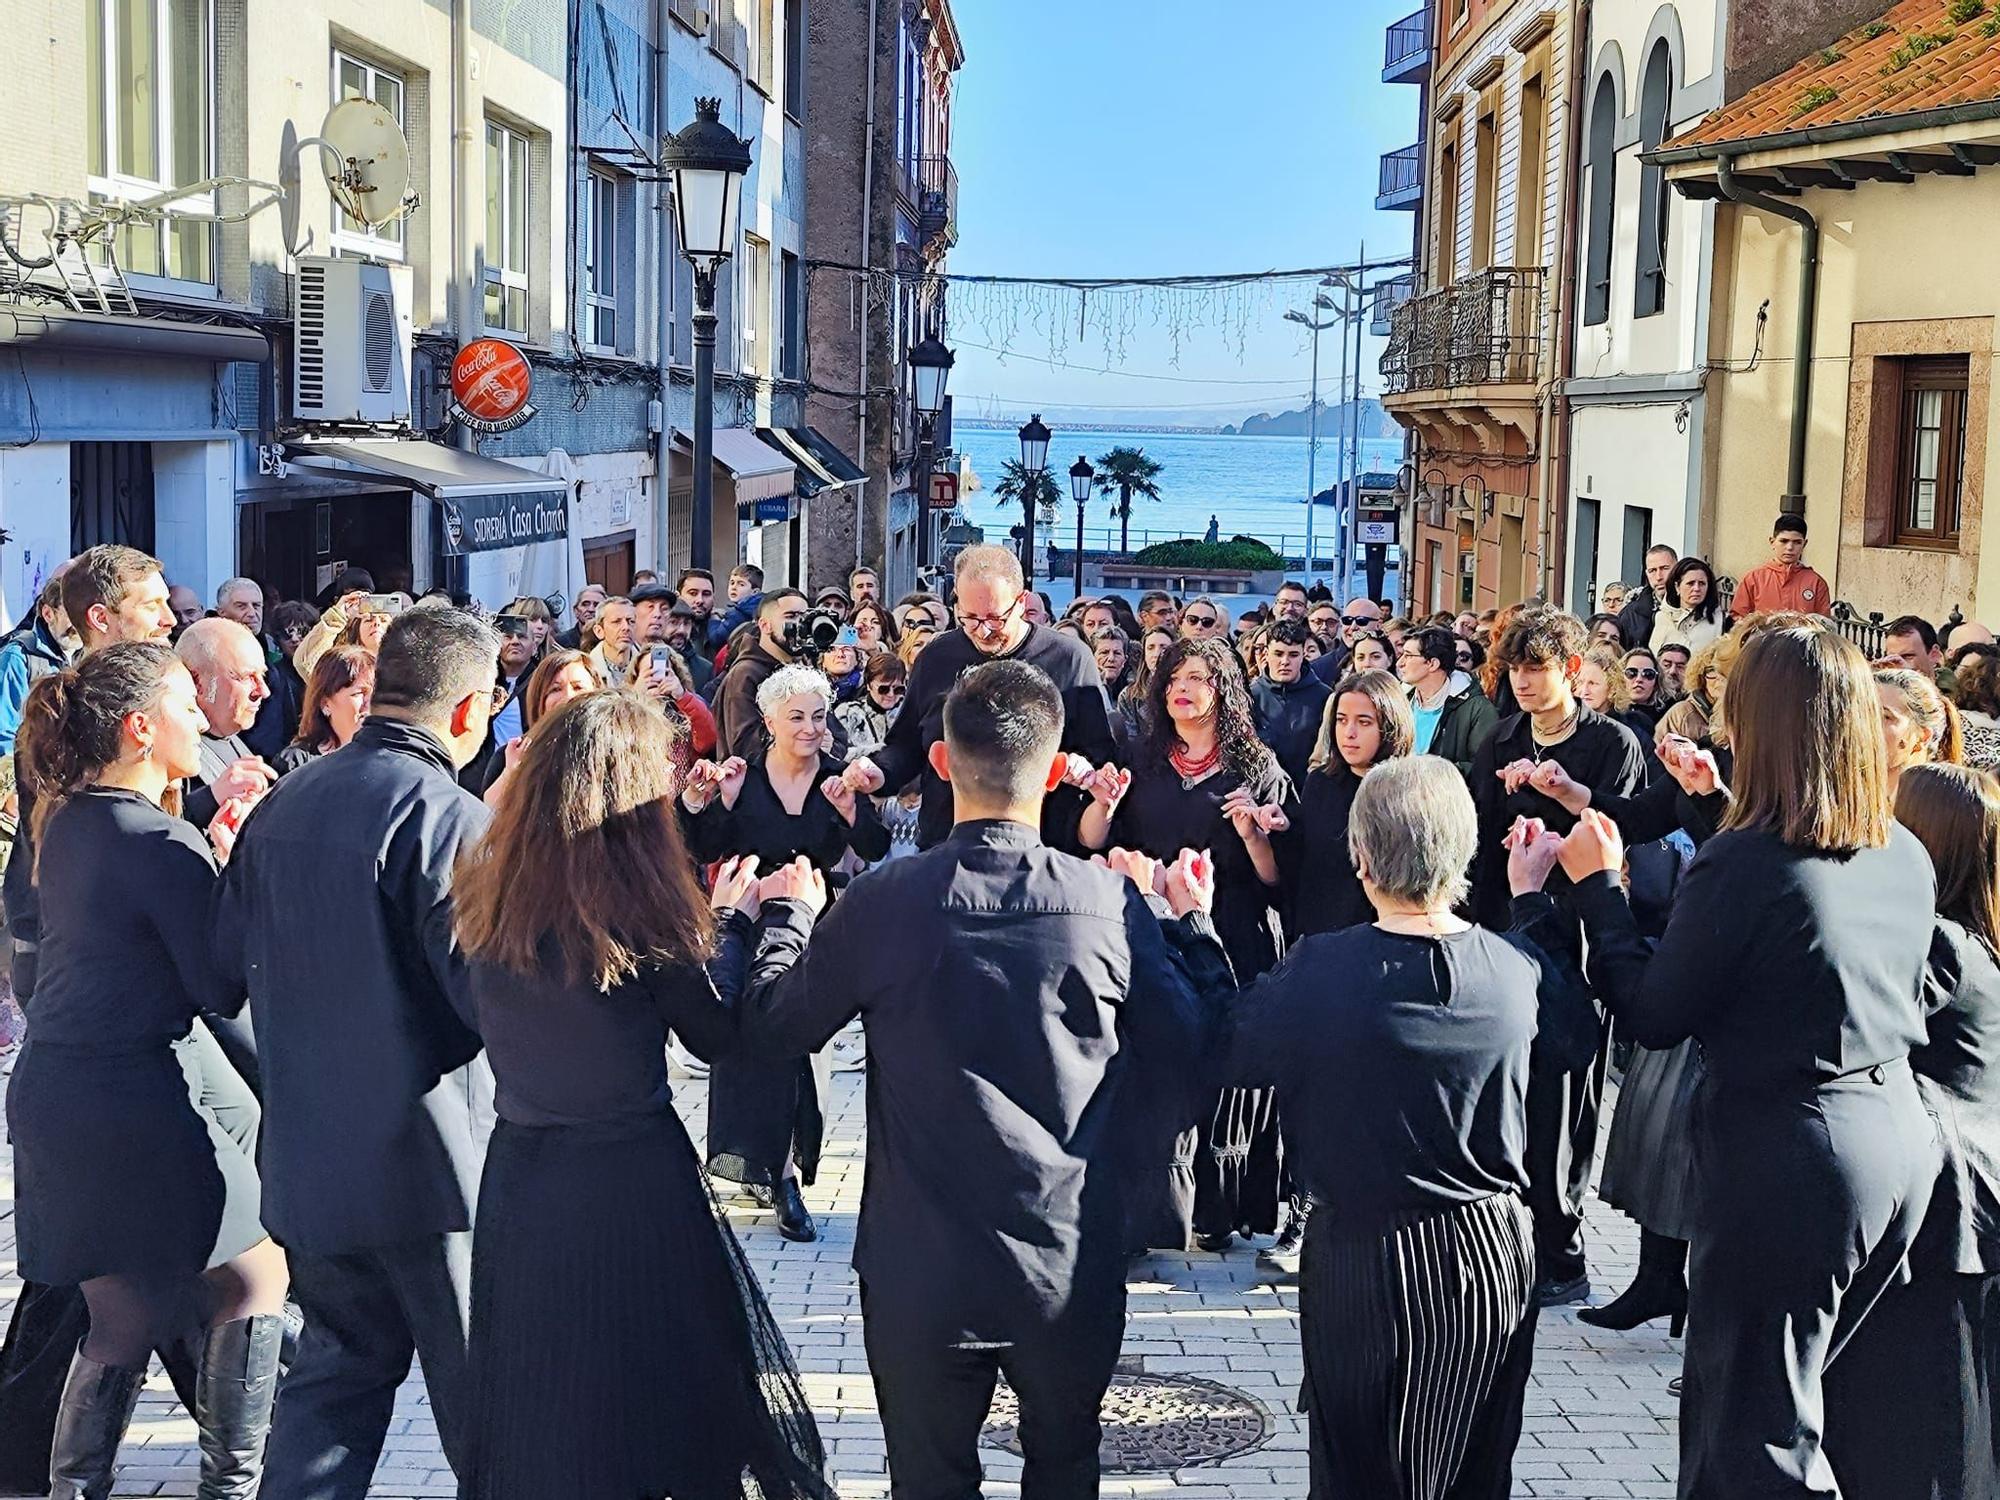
(832, 457)
(814, 477)
(487, 503)
(760, 471)
(118, 333)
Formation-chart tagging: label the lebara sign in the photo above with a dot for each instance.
(491, 381)
(482, 523)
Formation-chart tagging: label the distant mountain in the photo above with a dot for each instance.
(1375, 422)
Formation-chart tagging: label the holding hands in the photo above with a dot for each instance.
(1532, 851)
(842, 795)
(797, 881)
(735, 886)
(863, 775)
(1593, 847)
(1107, 786)
(1254, 822)
(1693, 767)
(247, 779)
(1141, 869)
(706, 778)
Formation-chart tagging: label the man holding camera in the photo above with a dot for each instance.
(739, 728)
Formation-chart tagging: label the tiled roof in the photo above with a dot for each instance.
(1921, 55)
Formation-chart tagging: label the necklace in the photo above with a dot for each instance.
(1563, 732)
(1413, 923)
(1191, 769)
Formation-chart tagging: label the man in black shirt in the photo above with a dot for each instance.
(1542, 653)
(1288, 701)
(739, 727)
(990, 594)
(1009, 992)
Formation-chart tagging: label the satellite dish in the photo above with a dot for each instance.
(366, 160)
(288, 190)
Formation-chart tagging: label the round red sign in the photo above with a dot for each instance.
(491, 381)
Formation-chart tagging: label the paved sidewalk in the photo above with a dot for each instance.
(1600, 1424)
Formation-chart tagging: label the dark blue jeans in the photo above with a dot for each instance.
(366, 1314)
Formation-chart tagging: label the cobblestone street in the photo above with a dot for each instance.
(1600, 1423)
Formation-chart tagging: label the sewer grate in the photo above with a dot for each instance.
(1155, 1423)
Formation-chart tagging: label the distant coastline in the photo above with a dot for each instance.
(1374, 423)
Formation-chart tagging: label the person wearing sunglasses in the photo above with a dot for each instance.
(1204, 620)
(884, 682)
(1358, 617)
(1642, 682)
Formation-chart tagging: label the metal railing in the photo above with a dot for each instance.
(1402, 171)
(1484, 329)
(1389, 295)
(1407, 39)
(937, 199)
(1867, 629)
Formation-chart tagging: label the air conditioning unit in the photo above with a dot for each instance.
(351, 341)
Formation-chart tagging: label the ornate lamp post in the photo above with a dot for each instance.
(706, 163)
(930, 371)
(1082, 477)
(1034, 437)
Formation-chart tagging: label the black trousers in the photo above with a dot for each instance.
(1417, 1350)
(1563, 1117)
(934, 1396)
(366, 1315)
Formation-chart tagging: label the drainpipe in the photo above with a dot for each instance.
(1556, 471)
(663, 323)
(467, 223)
(867, 225)
(1802, 352)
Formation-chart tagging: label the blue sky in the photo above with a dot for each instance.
(1166, 137)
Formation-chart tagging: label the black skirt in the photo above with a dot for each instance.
(1649, 1158)
(620, 1345)
(761, 1114)
(121, 1169)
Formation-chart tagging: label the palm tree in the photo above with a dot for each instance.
(1129, 472)
(1031, 492)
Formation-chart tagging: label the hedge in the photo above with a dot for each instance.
(1239, 552)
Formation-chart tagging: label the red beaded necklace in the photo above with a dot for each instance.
(1192, 770)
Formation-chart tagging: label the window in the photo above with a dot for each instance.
(506, 230)
(690, 13)
(150, 105)
(756, 305)
(1485, 187)
(1602, 160)
(790, 330)
(1930, 451)
(1655, 98)
(795, 58)
(1447, 245)
(355, 79)
(760, 22)
(1529, 190)
(600, 262)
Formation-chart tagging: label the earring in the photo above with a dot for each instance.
(145, 752)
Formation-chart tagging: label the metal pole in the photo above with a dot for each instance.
(1078, 569)
(1030, 496)
(926, 458)
(701, 524)
(663, 319)
(1339, 577)
(1312, 451)
(467, 253)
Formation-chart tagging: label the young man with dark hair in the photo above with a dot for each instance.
(696, 589)
(1453, 717)
(1912, 641)
(739, 727)
(1785, 582)
(1635, 618)
(1287, 700)
(988, 1123)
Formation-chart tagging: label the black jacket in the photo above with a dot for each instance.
(1635, 620)
(739, 727)
(1086, 724)
(1008, 989)
(1288, 719)
(218, 754)
(335, 910)
(1958, 1073)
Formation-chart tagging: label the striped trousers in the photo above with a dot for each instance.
(1417, 1350)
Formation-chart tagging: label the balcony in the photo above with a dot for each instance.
(1389, 295)
(1483, 330)
(1407, 56)
(937, 203)
(1402, 183)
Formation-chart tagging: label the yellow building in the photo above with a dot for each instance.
(1856, 199)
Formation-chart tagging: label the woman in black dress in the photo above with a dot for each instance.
(127, 1184)
(1911, 1400)
(620, 1345)
(1795, 954)
(1201, 779)
(765, 1121)
(1367, 722)
(336, 701)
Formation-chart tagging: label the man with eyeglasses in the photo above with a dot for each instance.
(1356, 617)
(1158, 609)
(990, 593)
(1290, 603)
(1453, 717)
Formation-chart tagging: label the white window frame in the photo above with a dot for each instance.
(116, 184)
(507, 263)
(600, 258)
(756, 313)
(345, 236)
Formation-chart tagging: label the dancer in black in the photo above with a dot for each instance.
(766, 1120)
(620, 1346)
(1367, 723)
(128, 1185)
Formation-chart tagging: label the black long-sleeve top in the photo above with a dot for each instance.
(564, 1052)
(1086, 724)
(126, 891)
(1008, 990)
(1601, 754)
(1322, 891)
(1662, 806)
(1791, 967)
(1958, 1073)
(1403, 1081)
(760, 824)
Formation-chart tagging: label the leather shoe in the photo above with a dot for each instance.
(1216, 1244)
(795, 1221)
(1555, 1291)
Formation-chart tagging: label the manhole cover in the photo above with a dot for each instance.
(1155, 1423)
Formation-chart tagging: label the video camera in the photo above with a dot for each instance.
(812, 635)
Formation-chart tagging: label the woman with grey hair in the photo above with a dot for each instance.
(765, 1123)
(1404, 1095)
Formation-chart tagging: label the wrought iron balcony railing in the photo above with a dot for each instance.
(937, 200)
(1389, 295)
(1484, 329)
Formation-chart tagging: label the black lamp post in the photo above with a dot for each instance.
(1034, 437)
(1081, 479)
(706, 162)
(930, 370)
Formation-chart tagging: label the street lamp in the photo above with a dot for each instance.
(1081, 478)
(930, 370)
(1321, 303)
(1034, 435)
(706, 163)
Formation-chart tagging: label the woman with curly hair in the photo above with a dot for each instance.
(1975, 688)
(1201, 779)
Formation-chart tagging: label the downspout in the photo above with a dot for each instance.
(663, 322)
(1802, 352)
(1556, 473)
(867, 225)
(467, 250)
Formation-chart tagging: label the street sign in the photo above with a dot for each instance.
(1377, 533)
(775, 509)
(944, 491)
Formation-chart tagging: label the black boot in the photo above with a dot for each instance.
(794, 1221)
(1659, 1290)
(1283, 1255)
(97, 1402)
(239, 1376)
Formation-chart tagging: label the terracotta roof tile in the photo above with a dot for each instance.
(1921, 55)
